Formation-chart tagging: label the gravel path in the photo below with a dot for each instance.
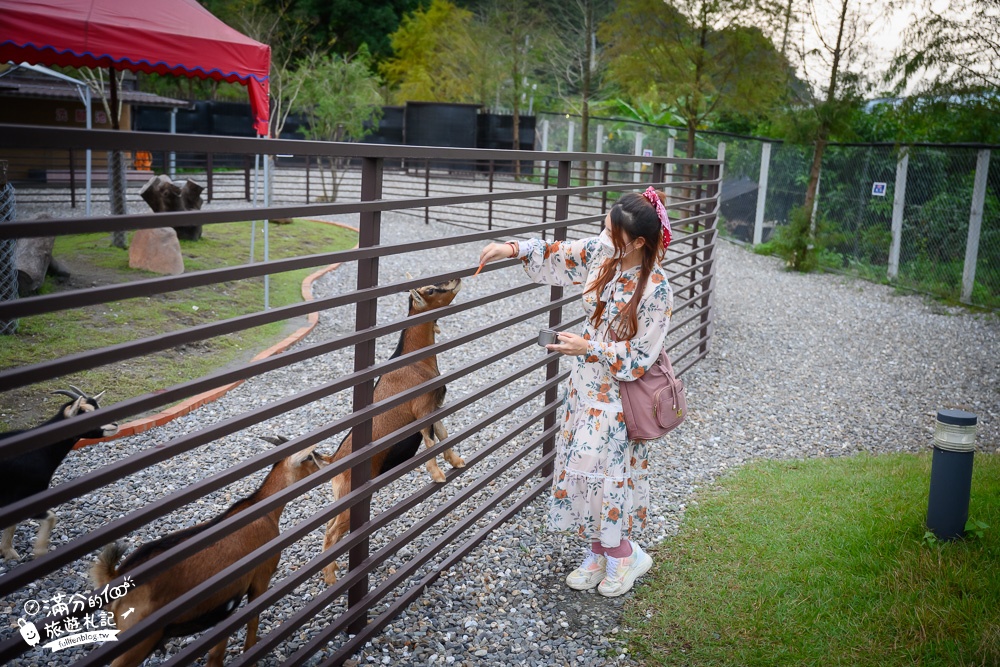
(801, 366)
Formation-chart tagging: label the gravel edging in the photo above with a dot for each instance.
(861, 370)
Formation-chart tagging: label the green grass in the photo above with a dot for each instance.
(822, 562)
(92, 258)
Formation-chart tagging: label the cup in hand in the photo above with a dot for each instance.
(547, 337)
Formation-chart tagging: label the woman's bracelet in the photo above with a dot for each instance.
(514, 246)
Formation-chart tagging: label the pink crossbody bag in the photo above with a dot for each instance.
(654, 404)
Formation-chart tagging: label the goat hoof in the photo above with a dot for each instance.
(458, 462)
(330, 575)
(438, 477)
(38, 553)
(10, 554)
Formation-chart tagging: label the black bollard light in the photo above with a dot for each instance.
(951, 473)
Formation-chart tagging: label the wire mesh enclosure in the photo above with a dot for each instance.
(855, 202)
(406, 530)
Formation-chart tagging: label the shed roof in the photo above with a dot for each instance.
(42, 88)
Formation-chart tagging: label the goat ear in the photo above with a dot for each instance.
(418, 298)
(72, 409)
(298, 458)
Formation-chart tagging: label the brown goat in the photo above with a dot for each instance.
(390, 384)
(161, 589)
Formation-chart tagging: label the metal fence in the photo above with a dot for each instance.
(945, 239)
(508, 442)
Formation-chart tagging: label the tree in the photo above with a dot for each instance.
(285, 33)
(341, 98)
(841, 48)
(575, 59)
(515, 34)
(434, 52)
(346, 25)
(702, 58)
(836, 68)
(959, 49)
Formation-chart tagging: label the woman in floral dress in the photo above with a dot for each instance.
(601, 490)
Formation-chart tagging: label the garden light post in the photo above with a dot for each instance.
(951, 473)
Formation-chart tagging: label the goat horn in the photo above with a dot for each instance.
(79, 391)
(66, 393)
(95, 399)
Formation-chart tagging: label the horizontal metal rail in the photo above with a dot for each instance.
(240, 616)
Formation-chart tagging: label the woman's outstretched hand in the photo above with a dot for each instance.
(495, 251)
(569, 344)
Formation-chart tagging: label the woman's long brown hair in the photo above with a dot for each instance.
(634, 215)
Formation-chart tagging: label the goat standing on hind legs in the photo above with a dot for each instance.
(157, 590)
(392, 383)
(31, 472)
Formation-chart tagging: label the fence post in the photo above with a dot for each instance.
(427, 190)
(671, 169)
(708, 287)
(898, 204)
(555, 315)
(765, 167)
(639, 136)
(489, 214)
(599, 147)
(8, 250)
(246, 177)
(975, 224)
(72, 180)
(369, 229)
(545, 136)
(208, 177)
(605, 179)
(569, 137)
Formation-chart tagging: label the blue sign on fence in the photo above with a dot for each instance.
(878, 189)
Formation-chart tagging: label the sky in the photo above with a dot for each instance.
(884, 39)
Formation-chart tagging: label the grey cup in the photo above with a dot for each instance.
(547, 337)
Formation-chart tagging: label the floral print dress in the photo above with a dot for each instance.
(600, 491)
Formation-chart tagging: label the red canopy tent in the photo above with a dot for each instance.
(177, 37)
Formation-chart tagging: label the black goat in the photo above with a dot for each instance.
(26, 474)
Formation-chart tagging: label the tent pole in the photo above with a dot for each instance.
(87, 104)
(173, 155)
(267, 204)
(253, 225)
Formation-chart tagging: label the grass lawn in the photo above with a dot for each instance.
(91, 259)
(822, 562)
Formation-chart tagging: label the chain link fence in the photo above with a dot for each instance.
(8, 252)
(932, 251)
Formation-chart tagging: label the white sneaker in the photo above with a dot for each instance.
(589, 574)
(622, 572)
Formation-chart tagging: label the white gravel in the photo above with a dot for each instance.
(801, 366)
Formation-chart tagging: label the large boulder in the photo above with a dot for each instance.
(156, 250)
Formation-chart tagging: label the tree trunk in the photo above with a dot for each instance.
(588, 24)
(117, 183)
(32, 263)
(517, 121)
(814, 170)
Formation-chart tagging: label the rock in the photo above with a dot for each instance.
(156, 250)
